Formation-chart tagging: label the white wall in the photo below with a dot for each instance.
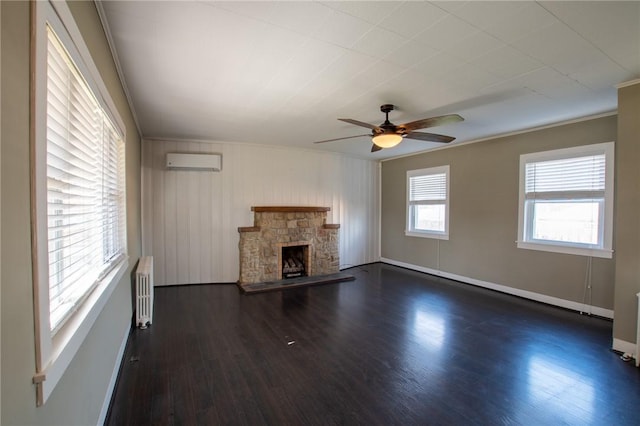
(191, 218)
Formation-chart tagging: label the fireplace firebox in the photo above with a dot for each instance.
(294, 261)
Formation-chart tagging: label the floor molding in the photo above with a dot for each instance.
(114, 377)
(624, 347)
(563, 303)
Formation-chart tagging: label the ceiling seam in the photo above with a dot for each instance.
(582, 37)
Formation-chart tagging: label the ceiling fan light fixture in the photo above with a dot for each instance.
(387, 140)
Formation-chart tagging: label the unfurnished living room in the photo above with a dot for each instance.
(320, 212)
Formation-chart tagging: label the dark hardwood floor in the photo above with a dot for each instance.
(392, 347)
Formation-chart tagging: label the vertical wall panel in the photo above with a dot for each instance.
(181, 209)
(170, 194)
(191, 217)
(195, 211)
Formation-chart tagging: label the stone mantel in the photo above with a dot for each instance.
(275, 227)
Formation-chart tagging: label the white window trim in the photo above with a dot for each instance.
(608, 148)
(428, 234)
(55, 353)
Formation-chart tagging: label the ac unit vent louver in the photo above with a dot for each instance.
(211, 162)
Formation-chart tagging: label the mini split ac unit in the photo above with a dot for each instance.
(212, 162)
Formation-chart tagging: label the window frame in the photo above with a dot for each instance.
(410, 230)
(55, 349)
(604, 247)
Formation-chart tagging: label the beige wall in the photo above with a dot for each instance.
(484, 217)
(627, 219)
(79, 396)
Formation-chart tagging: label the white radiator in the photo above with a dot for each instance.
(144, 292)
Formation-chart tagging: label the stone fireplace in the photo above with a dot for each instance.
(288, 242)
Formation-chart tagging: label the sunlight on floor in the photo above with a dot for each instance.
(558, 389)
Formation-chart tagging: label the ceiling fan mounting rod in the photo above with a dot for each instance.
(387, 125)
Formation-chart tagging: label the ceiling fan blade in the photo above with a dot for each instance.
(339, 139)
(430, 137)
(375, 148)
(431, 122)
(360, 123)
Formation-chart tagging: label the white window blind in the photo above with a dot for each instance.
(427, 202)
(575, 177)
(428, 189)
(85, 187)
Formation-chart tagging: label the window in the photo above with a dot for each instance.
(428, 202)
(79, 194)
(85, 193)
(566, 200)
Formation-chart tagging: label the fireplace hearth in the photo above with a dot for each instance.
(288, 242)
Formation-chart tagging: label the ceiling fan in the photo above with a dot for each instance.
(388, 135)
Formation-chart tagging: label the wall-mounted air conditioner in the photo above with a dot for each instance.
(212, 162)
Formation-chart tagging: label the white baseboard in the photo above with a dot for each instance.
(624, 347)
(568, 304)
(114, 377)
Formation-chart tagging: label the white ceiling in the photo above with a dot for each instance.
(283, 72)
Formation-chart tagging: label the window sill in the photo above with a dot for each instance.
(427, 235)
(69, 338)
(579, 251)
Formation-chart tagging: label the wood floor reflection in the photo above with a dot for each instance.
(392, 347)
